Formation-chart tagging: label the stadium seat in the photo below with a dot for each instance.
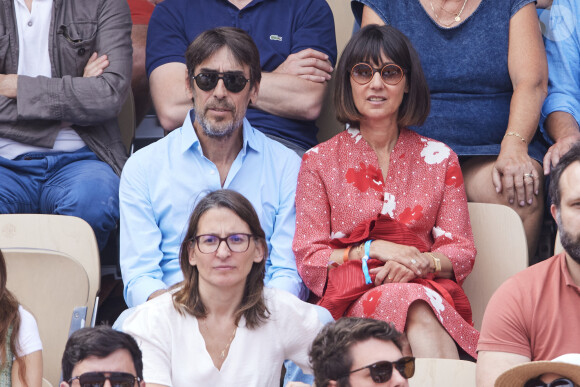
(443, 373)
(501, 252)
(53, 269)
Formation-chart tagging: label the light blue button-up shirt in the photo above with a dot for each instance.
(562, 39)
(162, 183)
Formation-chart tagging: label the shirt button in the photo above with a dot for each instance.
(30, 23)
(81, 51)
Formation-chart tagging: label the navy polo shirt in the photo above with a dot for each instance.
(279, 28)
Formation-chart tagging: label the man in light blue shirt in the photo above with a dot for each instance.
(561, 110)
(215, 148)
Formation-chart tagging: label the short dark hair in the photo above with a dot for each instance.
(239, 43)
(368, 45)
(187, 297)
(330, 352)
(569, 157)
(100, 341)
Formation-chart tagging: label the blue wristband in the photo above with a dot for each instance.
(365, 266)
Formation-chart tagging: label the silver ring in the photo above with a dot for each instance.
(413, 261)
(528, 175)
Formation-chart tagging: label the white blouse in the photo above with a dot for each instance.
(174, 352)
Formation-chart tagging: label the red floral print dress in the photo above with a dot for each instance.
(340, 185)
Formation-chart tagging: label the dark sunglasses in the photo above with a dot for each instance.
(382, 371)
(233, 82)
(363, 73)
(97, 379)
(562, 382)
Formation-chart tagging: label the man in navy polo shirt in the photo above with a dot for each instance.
(297, 45)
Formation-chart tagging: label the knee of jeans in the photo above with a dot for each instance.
(95, 203)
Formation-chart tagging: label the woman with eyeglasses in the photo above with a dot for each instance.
(220, 326)
(486, 67)
(382, 226)
(20, 345)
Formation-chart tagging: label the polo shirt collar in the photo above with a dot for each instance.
(566, 273)
(189, 139)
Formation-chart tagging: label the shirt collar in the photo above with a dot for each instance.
(566, 273)
(189, 139)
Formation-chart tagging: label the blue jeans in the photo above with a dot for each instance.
(64, 183)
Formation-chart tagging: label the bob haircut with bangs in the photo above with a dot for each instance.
(369, 45)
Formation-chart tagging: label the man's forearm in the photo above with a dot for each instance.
(561, 124)
(290, 96)
(168, 84)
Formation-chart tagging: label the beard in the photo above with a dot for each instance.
(569, 241)
(218, 129)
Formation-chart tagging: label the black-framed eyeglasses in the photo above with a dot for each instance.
(562, 382)
(382, 371)
(237, 243)
(234, 82)
(97, 379)
(391, 74)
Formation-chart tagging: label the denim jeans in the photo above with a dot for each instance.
(64, 183)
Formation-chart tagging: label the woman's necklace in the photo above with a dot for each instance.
(457, 18)
(227, 347)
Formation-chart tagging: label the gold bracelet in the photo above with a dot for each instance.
(516, 135)
(436, 262)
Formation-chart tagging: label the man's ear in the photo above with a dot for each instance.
(64, 384)
(554, 212)
(254, 93)
(332, 383)
(142, 384)
(188, 85)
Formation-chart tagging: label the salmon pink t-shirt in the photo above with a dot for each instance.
(535, 313)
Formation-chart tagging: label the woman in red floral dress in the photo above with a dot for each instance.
(381, 195)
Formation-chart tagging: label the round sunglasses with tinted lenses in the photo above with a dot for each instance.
(562, 382)
(382, 371)
(234, 82)
(97, 379)
(391, 74)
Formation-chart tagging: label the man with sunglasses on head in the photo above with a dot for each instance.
(297, 45)
(94, 355)
(534, 315)
(215, 148)
(358, 352)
